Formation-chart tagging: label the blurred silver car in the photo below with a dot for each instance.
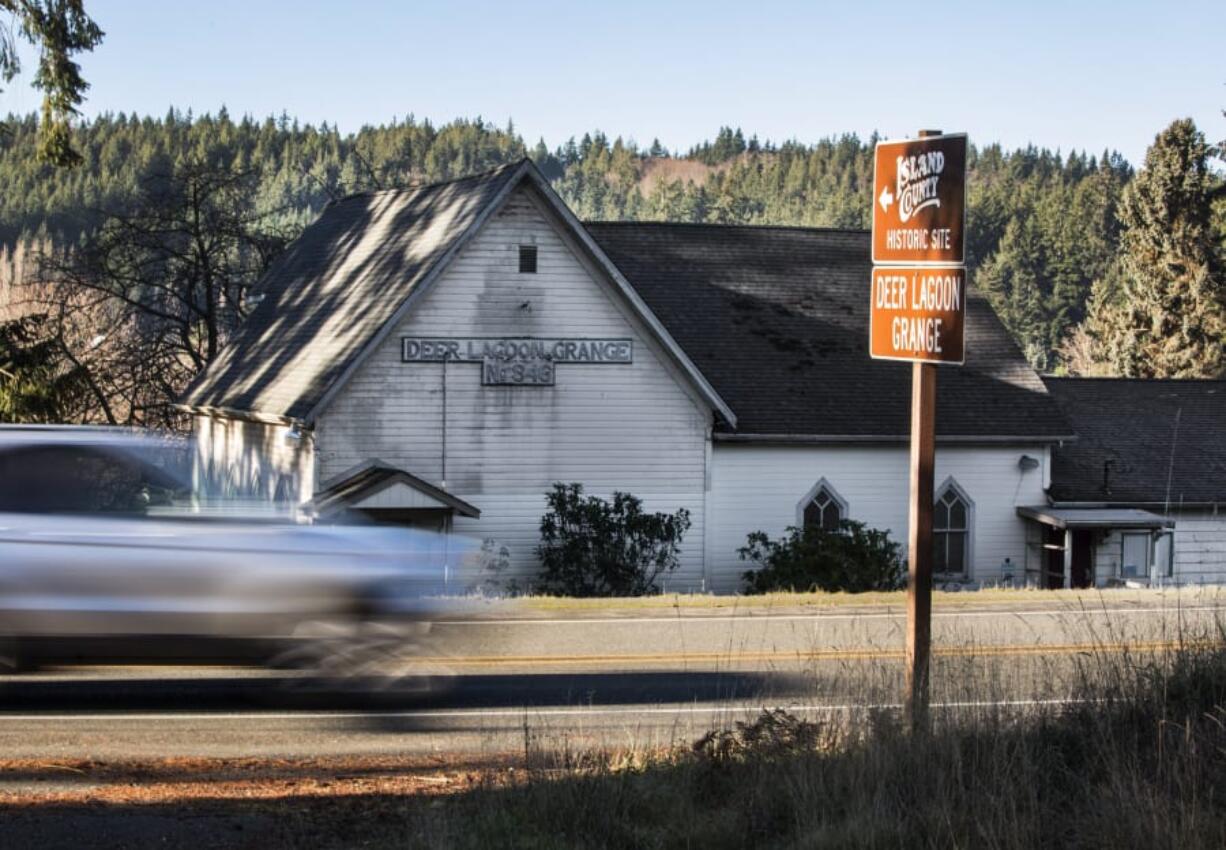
(103, 556)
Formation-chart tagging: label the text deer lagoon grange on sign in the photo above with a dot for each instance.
(480, 349)
(917, 313)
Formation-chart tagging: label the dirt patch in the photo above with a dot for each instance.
(670, 170)
(41, 782)
(207, 804)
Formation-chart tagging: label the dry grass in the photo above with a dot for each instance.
(1135, 758)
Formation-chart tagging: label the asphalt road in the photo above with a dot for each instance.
(509, 680)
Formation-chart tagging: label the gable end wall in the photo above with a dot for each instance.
(637, 427)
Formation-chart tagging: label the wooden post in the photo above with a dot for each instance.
(919, 541)
(919, 535)
(1068, 558)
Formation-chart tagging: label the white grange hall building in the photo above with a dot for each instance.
(442, 355)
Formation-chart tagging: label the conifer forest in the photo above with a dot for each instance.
(1095, 264)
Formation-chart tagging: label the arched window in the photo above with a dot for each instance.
(821, 507)
(952, 523)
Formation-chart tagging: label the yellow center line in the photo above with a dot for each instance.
(846, 654)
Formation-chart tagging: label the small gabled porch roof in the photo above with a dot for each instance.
(1102, 517)
(379, 485)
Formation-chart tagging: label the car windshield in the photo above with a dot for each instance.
(92, 479)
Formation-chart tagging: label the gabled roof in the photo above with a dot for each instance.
(373, 476)
(1135, 437)
(777, 319)
(336, 287)
(353, 274)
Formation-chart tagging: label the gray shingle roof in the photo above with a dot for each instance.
(1140, 432)
(774, 318)
(336, 287)
(777, 319)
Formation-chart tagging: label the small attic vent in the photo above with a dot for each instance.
(527, 259)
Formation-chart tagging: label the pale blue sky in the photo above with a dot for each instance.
(1067, 75)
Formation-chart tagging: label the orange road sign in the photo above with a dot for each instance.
(919, 201)
(918, 313)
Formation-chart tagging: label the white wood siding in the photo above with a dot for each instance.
(235, 458)
(638, 427)
(758, 488)
(1199, 549)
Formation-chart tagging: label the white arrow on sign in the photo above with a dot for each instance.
(886, 199)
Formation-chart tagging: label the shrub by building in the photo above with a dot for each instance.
(596, 547)
(850, 557)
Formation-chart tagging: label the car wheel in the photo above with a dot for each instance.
(11, 660)
(360, 654)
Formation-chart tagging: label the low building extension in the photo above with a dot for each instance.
(1140, 496)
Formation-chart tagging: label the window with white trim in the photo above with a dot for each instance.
(952, 521)
(822, 508)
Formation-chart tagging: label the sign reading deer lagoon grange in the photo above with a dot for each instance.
(918, 292)
(917, 313)
(919, 201)
(516, 361)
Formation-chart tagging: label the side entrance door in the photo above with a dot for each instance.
(1082, 566)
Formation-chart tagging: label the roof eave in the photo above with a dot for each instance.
(1140, 503)
(257, 416)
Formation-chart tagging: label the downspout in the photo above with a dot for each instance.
(443, 460)
(707, 509)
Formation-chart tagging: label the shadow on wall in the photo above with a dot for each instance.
(248, 460)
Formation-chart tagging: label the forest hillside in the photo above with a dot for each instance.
(1043, 225)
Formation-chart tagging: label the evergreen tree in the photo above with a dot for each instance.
(1164, 313)
(1013, 281)
(549, 164)
(39, 382)
(59, 29)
